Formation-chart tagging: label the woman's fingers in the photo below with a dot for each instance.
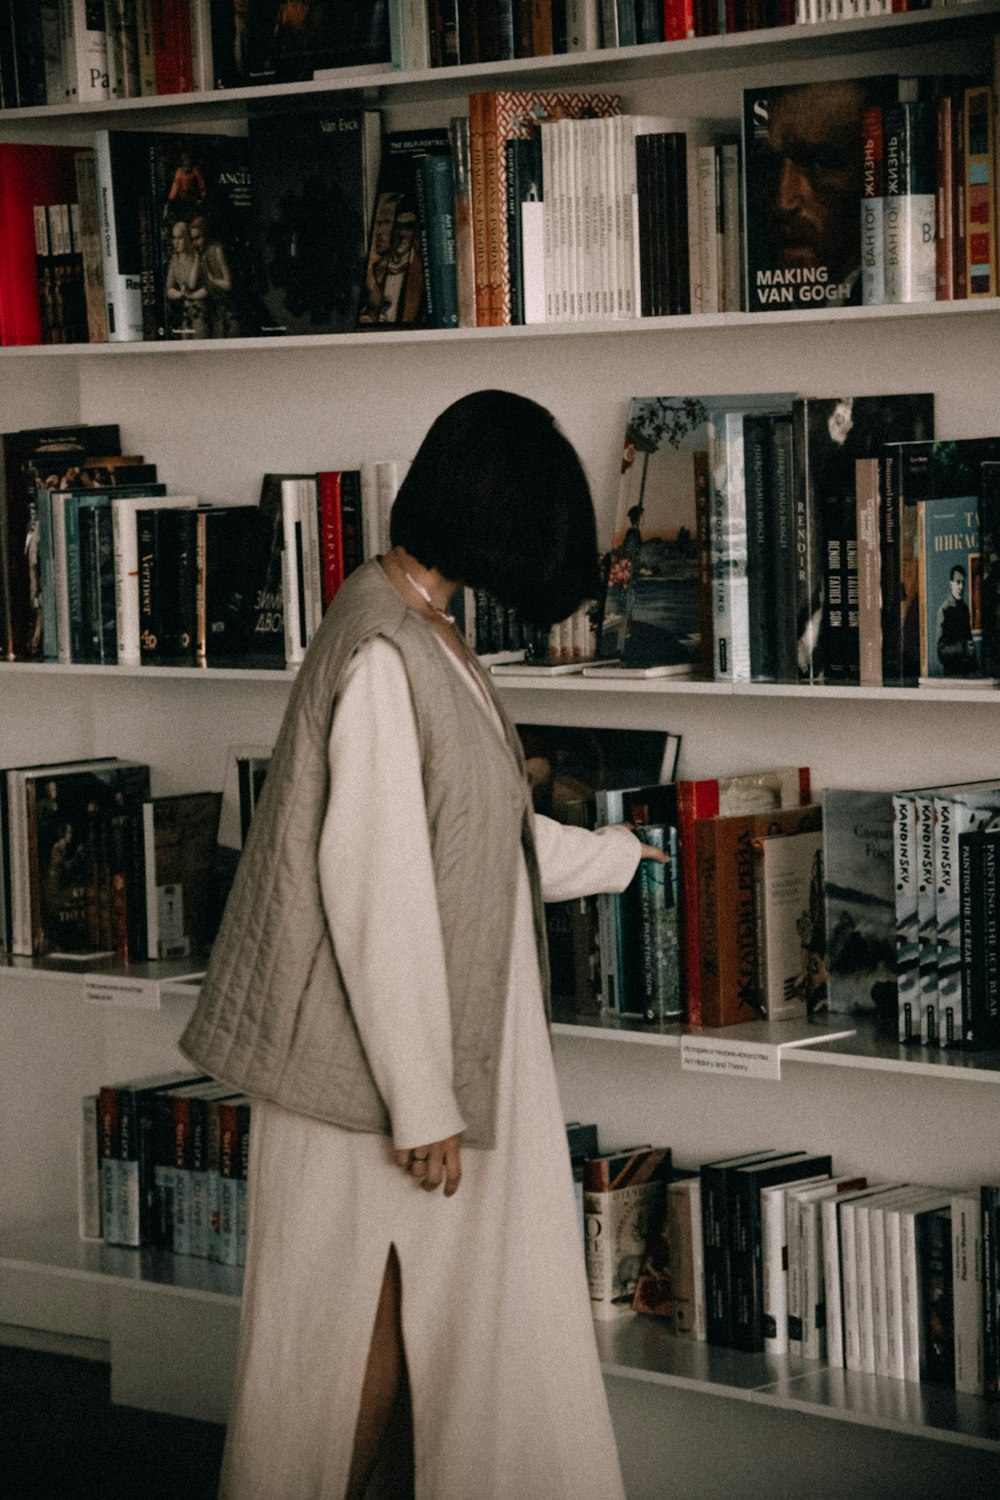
(434, 1164)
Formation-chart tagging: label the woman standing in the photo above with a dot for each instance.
(415, 1315)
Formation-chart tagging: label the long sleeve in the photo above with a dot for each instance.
(577, 862)
(377, 880)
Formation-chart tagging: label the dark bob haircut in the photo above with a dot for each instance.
(497, 499)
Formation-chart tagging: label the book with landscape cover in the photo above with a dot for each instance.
(313, 177)
(395, 288)
(808, 131)
(860, 905)
(829, 435)
(790, 930)
(651, 607)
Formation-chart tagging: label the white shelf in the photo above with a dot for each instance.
(638, 1348)
(740, 50)
(633, 1348)
(58, 1250)
(687, 322)
(281, 675)
(805, 1042)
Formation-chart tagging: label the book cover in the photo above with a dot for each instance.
(671, 1282)
(729, 984)
(949, 587)
(179, 836)
(313, 177)
(202, 275)
(872, 201)
(829, 436)
(860, 905)
(789, 897)
(658, 912)
(395, 289)
(802, 191)
(623, 1198)
(715, 1178)
(620, 916)
(232, 545)
(263, 41)
(967, 1292)
(913, 471)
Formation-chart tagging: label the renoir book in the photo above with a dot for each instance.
(803, 182)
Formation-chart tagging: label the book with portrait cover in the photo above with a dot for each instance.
(949, 587)
(912, 472)
(314, 176)
(803, 185)
(395, 290)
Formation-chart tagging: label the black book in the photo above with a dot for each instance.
(267, 42)
(394, 293)
(524, 185)
(233, 544)
(746, 1239)
(167, 573)
(314, 176)
(716, 1189)
(758, 441)
(829, 435)
(979, 929)
(202, 277)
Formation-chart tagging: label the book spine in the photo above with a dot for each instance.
(980, 192)
(951, 819)
(910, 253)
(989, 1226)
(436, 196)
(989, 1031)
(829, 1218)
(352, 520)
(119, 248)
(926, 920)
(872, 208)
(775, 1269)
(944, 151)
(869, 601)
(970, 916)
(808, 554)
(762, 606)
(465, 251)
(658, 907)
(905, 865)
(331, 534)
(608, 810)
(109, 1146)
(89, 1177)
(967, 1285)
(730, 589)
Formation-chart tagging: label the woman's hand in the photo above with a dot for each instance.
(441, 1161)
(650, 851)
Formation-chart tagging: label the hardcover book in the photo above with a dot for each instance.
(623, 1198)
(314, 176)
(949, 587)
(671, 1282)
(179, 834)
(860, 905)
(803, 184)
(829, 436)
(789, 897)
(395, 288)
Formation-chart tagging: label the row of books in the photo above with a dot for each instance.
(79, 52)
(163, 1165)
(538, 206)
(784, 538)
(92, 865)
(771, 1252)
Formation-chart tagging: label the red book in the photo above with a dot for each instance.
(29, 175)
(172, 46)
(678, 20)
(783, 786)
(331, 535)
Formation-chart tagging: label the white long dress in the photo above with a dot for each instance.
(508, 1399)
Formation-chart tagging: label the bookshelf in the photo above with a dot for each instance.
(215, 417)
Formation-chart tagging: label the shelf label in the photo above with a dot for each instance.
(120, 989)
(730, 1057)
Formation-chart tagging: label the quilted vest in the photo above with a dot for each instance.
(273, 1018)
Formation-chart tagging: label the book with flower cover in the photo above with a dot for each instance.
(495, 118)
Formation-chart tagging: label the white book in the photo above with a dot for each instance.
(776, 1263)
(202, 66)
(146, 47)
(389, 475)
(310, 579)
(122, 284)
(583, 26)
(730, 584)
(125, 536)
(85, 52)
(731, 279)
(708, 228)
(533, 260)
(967, 1292)
(296, 635)
(926, 918)
(883, 1252)
(907, 952)
(808, 1253)
(409, 35)
(831, 1212)
(89, 1172)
